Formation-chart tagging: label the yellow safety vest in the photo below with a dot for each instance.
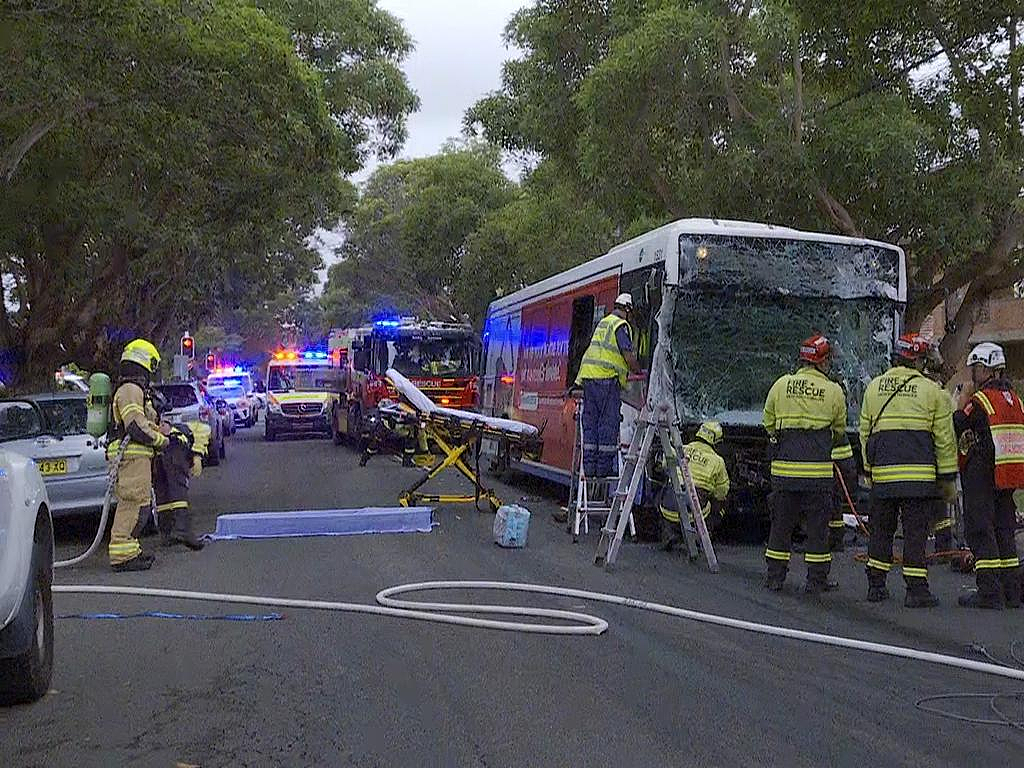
(603, 359)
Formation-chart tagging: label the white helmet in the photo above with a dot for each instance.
(624, 300)
(987, 354)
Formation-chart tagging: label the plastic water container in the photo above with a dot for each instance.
(511, 526)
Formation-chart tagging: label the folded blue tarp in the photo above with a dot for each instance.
(323, 522)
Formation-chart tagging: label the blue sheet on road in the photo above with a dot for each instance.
(323, 522)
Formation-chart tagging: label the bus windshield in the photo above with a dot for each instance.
(749, 302)
(302, 378)
(451, 358)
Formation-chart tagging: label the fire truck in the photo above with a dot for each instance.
(438, 357)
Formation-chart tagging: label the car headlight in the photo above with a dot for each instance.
(274, 406)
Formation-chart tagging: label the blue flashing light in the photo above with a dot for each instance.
(321, 355)
(388, 323)
(308, 355)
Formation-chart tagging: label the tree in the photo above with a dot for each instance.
(173, 160)
(405, 247)
(899, 121)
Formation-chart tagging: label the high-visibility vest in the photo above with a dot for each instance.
(1005, 414)
(603, 359)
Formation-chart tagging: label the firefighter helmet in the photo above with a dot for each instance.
(710, 432)
(143, 353)
(912, 346)
(988, 355)
(815, 350)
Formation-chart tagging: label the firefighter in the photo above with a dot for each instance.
(805, 416)
(172, 470)
(135, 418)
(603, 375)
(710, 478)
(906, 435)
(845, 482)
(990, 433)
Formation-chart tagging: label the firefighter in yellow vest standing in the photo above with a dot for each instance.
(135, 419)
(805, 417)
(710, 477)
(906, 434)
(603, 374)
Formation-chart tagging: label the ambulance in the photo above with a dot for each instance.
(303, 392)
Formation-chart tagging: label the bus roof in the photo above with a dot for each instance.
(650, 247)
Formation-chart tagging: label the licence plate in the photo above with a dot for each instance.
(53, 466)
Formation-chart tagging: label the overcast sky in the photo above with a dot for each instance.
(458, 57)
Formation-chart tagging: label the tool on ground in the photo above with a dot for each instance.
(657, 420)
(589, 496)
(458, 434)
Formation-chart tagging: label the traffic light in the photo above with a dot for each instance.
(188, 346)
(211, 361)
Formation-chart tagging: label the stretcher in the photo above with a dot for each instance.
(458, 434)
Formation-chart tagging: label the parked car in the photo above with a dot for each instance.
(242, 407)
(187, 403)
(50, 430)
(26, 573)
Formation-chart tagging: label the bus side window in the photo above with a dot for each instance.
(579, 335)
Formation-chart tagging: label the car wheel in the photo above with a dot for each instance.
(26, 677)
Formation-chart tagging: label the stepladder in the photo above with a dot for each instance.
(655, 423)
(590, 496)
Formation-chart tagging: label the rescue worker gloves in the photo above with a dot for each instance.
(142, 352)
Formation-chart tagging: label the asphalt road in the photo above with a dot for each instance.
(321, 689)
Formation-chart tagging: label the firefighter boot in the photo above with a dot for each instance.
(141, 562)
(919, 596)
(183, 533)
(877, 591)
(775, 576)
(989, 593)
(1011, 580)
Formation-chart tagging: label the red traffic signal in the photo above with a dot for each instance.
(188, 346)
(211, 361)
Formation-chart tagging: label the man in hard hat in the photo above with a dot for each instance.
(906, 434)
(603, 374)
(135, 418)
(805, 417)
(710, 477)
(990, 436)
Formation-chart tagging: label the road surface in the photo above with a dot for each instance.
(321, 689)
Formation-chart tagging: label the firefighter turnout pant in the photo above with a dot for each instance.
(134, 491)
(989, 529)
(170, 485)
(602, 409)
(712, 510)
(789, 509)
(917, 514)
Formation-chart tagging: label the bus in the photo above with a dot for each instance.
(748, 293)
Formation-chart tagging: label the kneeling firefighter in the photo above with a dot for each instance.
(181, 460)
(710, 477)
(134, 419)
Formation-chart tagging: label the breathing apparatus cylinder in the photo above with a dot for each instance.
(98, 404)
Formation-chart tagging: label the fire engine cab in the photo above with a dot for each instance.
(439, 358)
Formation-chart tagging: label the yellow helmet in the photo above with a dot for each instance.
(710, 432)
(142, 353)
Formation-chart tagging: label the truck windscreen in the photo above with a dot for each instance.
(451, 358)
(738, 321)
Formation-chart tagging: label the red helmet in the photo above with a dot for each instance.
(815, 350)
(911, 346)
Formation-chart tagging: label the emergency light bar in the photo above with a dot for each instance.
(291, 354)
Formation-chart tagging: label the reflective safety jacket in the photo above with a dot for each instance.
(805, 416)
(710, 477)
(906, 434)
(603, 359)
(994, 419)
(135, 417)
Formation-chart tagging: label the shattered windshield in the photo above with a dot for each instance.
(737, 323)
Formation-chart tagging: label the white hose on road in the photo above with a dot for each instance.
(586, 624)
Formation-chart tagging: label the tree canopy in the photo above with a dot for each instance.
(898, 121)
(163, 161)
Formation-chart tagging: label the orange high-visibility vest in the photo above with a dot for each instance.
(1006, 421)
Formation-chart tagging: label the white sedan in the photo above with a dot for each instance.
(26, 573)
